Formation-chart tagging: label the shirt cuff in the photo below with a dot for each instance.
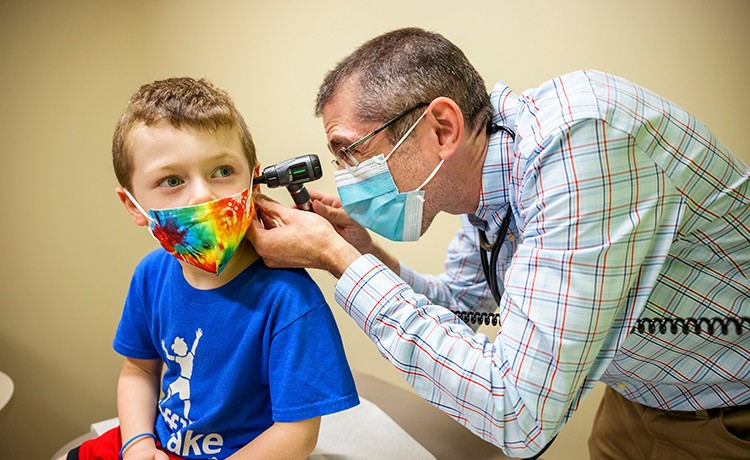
(411, 278)
(365, 287)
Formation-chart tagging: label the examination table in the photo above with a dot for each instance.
(390, 423)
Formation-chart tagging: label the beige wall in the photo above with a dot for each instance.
(67, 69)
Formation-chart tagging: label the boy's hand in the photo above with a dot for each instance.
(144, 452)
(287, 237)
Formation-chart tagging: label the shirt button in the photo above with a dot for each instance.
(621, 386)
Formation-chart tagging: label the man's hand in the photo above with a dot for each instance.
(287, 237)
(330, 207)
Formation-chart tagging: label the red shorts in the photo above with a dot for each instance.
(106, 447)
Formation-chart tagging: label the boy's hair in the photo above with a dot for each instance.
(181, 101)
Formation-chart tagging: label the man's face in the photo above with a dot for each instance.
(410, 164)
(343, 128)
(407, 165)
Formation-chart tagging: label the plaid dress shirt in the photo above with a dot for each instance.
(627, 262)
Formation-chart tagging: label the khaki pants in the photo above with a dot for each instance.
(627, 430)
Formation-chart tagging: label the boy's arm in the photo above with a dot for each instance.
(137, 396)
(291, 440)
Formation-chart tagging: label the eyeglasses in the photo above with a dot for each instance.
(344, 157)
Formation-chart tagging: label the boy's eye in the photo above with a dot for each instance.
(223, 171)
(171, 181)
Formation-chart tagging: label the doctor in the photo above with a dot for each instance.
(591, 208)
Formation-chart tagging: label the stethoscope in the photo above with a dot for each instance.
(489, 252)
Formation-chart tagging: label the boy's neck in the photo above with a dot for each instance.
(203, 280)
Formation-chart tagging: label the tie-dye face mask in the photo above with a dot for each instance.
(204, 235)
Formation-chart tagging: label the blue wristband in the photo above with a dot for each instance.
(135, 438)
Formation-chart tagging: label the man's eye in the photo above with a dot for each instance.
(171, 181)
(224, 171)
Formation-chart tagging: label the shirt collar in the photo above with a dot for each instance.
(500, 158)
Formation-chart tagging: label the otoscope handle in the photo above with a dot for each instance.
(300, 196)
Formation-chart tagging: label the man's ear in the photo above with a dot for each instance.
(447, 125)
(256, 173)
(138, 217)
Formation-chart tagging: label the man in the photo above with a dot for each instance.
(626, 259)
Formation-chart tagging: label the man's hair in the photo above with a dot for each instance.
(402, 68)
(181, 101)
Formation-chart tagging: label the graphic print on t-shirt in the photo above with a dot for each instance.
(175, 405)
(180, 388)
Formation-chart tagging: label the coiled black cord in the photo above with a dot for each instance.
(478, 317)
(697, 326)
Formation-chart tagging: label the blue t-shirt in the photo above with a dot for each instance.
(263, 348)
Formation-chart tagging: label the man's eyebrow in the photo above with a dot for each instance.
(338, 142)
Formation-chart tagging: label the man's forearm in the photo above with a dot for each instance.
(385, 257)
(339, 256)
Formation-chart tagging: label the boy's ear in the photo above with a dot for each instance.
(256, 173)
(138, 218)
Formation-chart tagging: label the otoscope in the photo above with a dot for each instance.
(292, 174)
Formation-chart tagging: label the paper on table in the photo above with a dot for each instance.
(365, 432)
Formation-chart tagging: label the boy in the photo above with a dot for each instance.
(244, 345)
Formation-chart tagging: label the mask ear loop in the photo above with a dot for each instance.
(403, 138)
(429, 178)
(137, 205)
(401, 141)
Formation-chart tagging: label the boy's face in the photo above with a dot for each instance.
(184, 167)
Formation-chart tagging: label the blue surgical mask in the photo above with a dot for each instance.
(369, 195)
